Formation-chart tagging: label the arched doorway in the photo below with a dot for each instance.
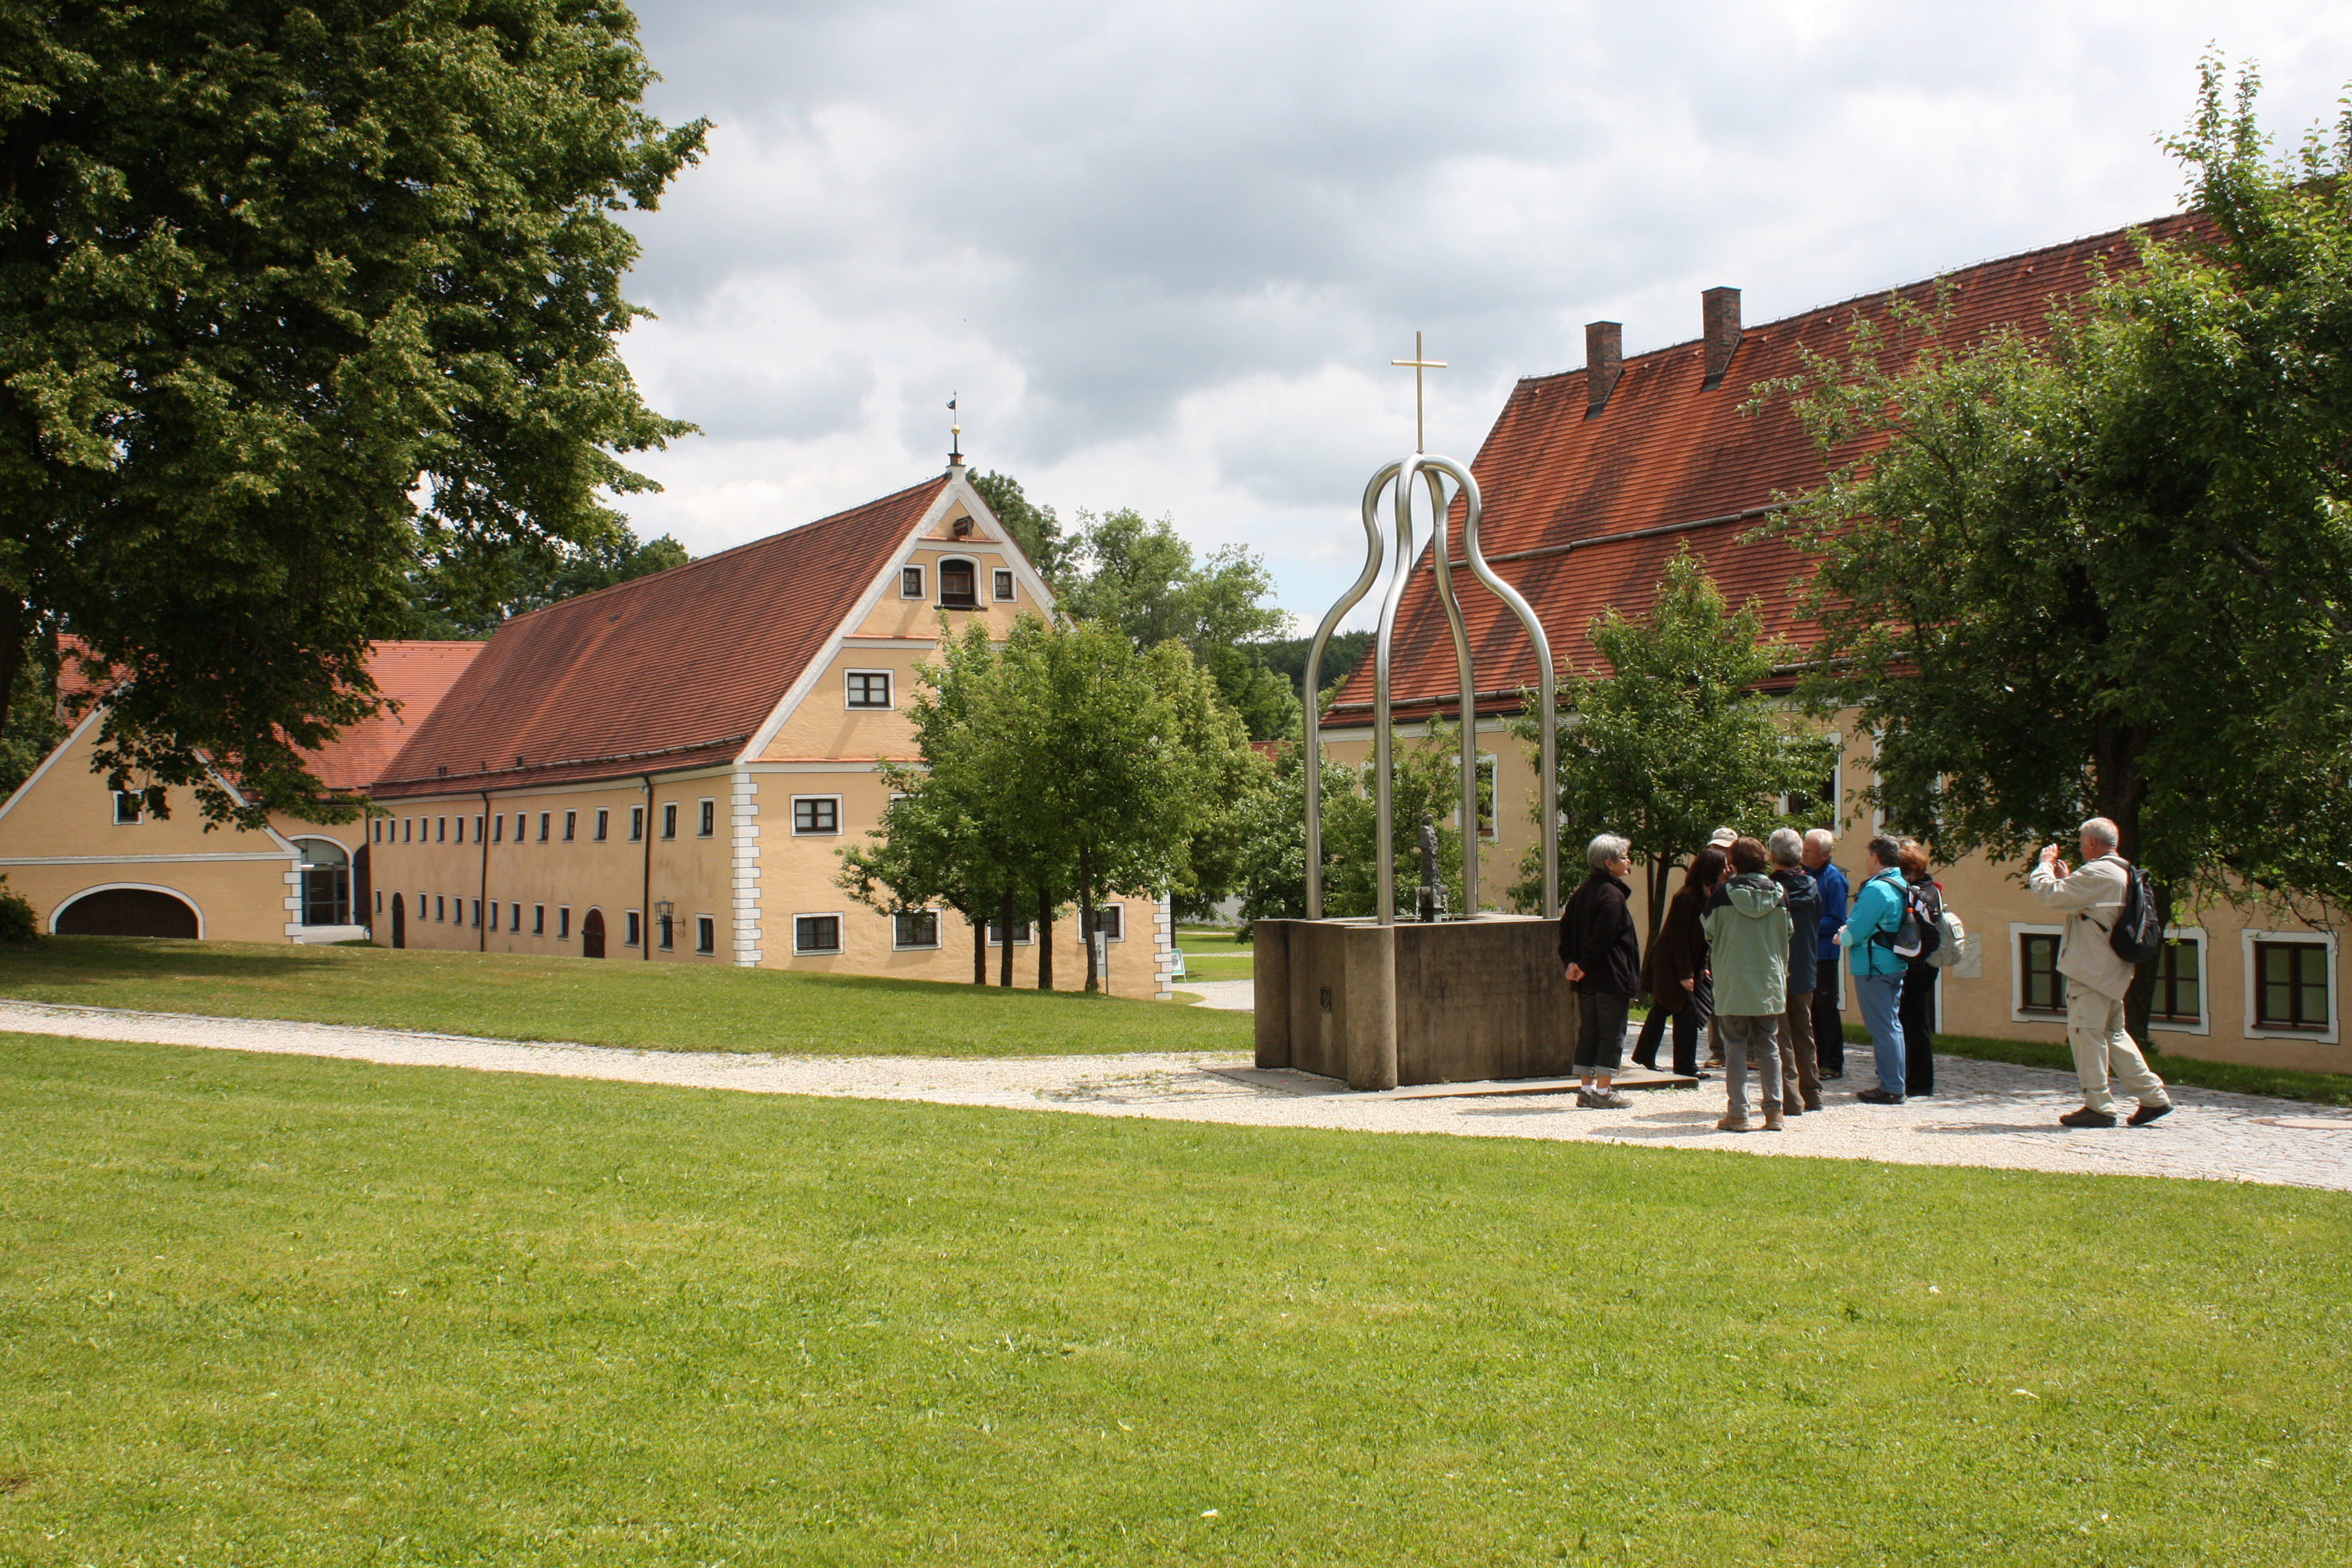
(128, 911)
(592, 935)
(325, 882)
(399, 922)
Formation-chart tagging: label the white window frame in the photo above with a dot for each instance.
(138, 809)
(994, 927)
(890, 685)
(699, 950)
(603, 823)
(2017, 1013)
(706, 810)
(1002, 589)
(939, 575)
(2204, 1024)
(838, 923)
(899, 947)
(633, 927)
(2251, 982)
(563, 922)
(922, 590)
(800, 832)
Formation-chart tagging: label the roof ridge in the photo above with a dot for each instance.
(795, 531)
(1872, 295)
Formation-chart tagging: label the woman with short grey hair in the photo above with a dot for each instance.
(1602, 957)
(1606, 848)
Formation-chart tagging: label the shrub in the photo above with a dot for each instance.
(17, 921)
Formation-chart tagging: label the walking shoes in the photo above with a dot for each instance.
(2086, 1117)
(1875, 1095)
(2146, 1113)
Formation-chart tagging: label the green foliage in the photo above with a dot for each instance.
(633, 1006)
(18, 924)
(1677, 739)
(1287, 658)
(467, 596)
(1065, 763)
(1033, 527)
(2110, 571)
(268, 273)
(32, 728)
(1143, 579)
(280, 1311)
(1273, 862)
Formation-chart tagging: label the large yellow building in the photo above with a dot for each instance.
(1594, 477)
(666, 770)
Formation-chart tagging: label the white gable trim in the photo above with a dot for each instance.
(957, 490)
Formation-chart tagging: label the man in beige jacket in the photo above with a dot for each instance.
(2093, 899)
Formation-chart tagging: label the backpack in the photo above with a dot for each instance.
(1951, 941)
(2135, 936)
(1905, 939)
(1929, 918)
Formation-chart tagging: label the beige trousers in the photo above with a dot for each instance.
(2095, 1033)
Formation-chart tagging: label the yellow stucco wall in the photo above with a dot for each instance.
(1977, 996)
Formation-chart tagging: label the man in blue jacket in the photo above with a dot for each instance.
(1828, 1027)
(1869, 933)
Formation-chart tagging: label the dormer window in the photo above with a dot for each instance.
(910, 583)
(959, 585)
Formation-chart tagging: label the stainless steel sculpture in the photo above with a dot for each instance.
(1423, 471)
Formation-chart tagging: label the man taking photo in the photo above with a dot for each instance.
(2096, 979)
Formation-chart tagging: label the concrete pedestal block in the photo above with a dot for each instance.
(1377, 1007)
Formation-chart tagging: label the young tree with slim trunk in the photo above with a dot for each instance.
(293, 296)
(2107, 572)
(1677, 739)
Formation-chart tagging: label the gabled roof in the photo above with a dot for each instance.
(414, 675)
(673, 671)
(1593, 508)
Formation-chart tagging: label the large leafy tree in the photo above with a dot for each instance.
(465, 596)
(1678, 738)
(1144, 578)
(1033, 527)
(291, 296)
(2108, 568)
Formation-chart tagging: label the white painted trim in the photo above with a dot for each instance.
(136, 887)
(743, 857)
(885, 645)
(899, 947)
(890, 684)
(146, 860)
(836, 831)
(324, 935)
(397, 806)
(2204, 1024)
(2251, 981)
(956, 552)
(2017, 1013)
(922, 583)
(1011, 582)
(841, 923)
(845, 766)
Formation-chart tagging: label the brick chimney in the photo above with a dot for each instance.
(1719, 313)
(1604, 361)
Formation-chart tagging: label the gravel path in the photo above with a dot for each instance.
(1986, 1114)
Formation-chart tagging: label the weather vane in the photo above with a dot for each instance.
(1418, 364)
(955, 428)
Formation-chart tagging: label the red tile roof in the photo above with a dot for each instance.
(1600, 504)
(668, 672)
(416, 676)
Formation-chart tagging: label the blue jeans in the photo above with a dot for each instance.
(1879, 997)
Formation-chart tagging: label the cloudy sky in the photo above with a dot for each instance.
(1165, 253)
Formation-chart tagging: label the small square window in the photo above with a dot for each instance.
(2041, 988)
(571, 826)
(539, 920)
(708, 819)
(1020, 933)
(494, 915)
(563, 922)
(915, 928)
(667, 926)
(817, 813)
(478, 914)
(514, 917)
(817, 934)
(408, 829)
(869, 688)
(2179, 982)
(1004, 585)
(499, 828)
(376, 831)
(633, 928)
(520, 819)
(461, 829)
(705, 934)
(636, 824)
(910, 583)
(544, 817)
(2290, 984)
(126, 807)
(441, 829)
(670, 823)
(478, 829)
(1111, 920)
(440, 907)
(603, 824)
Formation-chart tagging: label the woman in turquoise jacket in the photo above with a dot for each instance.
(1878, 972)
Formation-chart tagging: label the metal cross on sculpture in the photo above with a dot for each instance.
(1423, 471)
(1418, 364)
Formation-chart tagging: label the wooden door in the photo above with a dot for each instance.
(592, 935)
(399, 922)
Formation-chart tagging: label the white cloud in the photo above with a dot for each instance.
(1164, 254)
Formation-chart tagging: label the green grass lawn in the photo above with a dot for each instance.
(659, 1006)
(266, 1310)
(1211, 954)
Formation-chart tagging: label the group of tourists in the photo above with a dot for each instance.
(1748, 950)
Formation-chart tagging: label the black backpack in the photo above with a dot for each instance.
(2137, 936)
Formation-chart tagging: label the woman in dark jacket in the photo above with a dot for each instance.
(1678, 962)
(1917, 1011)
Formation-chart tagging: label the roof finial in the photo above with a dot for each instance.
(955, 432)
(1419, 364)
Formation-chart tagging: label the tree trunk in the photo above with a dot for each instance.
(2121, 791)
(1654, 871)
(1045, 938)
(1087, 916)
(1005, 918)
(979, 946)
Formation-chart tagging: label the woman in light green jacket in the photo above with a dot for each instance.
(1748, 927)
